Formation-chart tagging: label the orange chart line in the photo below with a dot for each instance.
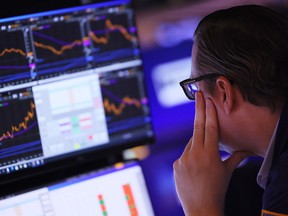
(22, 125)
(110, 107)
(13, 50)
(111, 27)
(63, 48)
(103, 40)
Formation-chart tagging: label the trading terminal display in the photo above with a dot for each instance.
(71, 82)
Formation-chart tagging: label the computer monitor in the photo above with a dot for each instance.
(72, 87)
(114, 190)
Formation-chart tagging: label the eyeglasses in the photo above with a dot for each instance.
(189, 86)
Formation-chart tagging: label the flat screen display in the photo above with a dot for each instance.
(72, 87)
(115, 190)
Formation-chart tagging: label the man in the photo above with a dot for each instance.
(239, 80)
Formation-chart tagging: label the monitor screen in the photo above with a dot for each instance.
(115, 190)
(72, 87)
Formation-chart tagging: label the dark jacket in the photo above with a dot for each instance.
(275, 197)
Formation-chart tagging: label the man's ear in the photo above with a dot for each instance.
(225, 94)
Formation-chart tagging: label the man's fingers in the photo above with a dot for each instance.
(211, 126)
(199, 121)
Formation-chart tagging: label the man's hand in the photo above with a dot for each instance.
(201, 177)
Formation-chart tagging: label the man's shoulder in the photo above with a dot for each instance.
(275, 196)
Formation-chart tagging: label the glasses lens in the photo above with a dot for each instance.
(189, 86)
(190, 90)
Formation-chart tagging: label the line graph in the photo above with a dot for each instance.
(13, 50)
(112, 33)
(111, 107)
(14, 64)
(57, 45)
(118, 99)
(109, 28)
(22, 126)
(52, 48)
(124, 100)
(19, 132)
(61, 50)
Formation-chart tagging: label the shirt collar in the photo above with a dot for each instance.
(266, 164)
